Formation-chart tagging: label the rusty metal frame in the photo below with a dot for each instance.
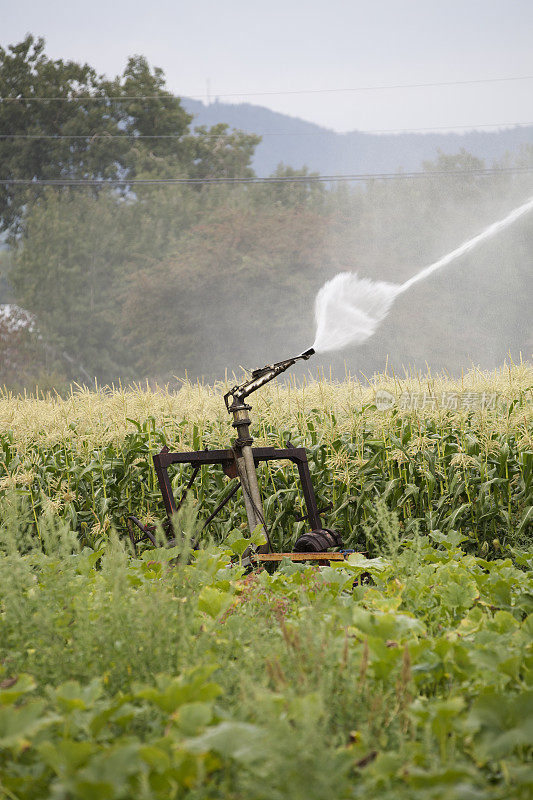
(226, 458)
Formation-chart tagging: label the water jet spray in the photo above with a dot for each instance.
(348, 309)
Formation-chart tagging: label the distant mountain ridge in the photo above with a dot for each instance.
(298, 143)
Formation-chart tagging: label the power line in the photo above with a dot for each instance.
(451, 128)
(95, 98)
(445, 127)
(103, 135)
(113, 182)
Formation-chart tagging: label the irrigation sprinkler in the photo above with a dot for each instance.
(241, 461)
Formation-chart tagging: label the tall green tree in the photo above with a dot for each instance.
(219, 152)
(146, 110)
(61, 120)
(76, 108)
(66, 270)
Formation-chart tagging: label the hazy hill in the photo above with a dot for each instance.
(297, 142)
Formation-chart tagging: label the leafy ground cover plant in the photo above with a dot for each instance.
(406, 675)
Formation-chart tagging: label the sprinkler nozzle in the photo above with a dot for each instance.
(260, 377)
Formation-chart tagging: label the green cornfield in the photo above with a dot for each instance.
(446, 456)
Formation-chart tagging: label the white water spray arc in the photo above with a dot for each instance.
(348, 309)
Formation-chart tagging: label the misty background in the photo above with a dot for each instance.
(131, 281)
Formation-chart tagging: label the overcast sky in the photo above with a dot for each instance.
(245, 46)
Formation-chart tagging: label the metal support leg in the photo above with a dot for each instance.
(246, 492)
(243, 446)
(309, 495)
(234, 464)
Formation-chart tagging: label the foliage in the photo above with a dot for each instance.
(81, 133)
(17, 342)
(26, 72)
(68, 281)
(407, 676)
(219, 153)
(179, 279)
(153, 281)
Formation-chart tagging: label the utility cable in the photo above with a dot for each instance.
(127, 182)
(97, 136)
(90, 97)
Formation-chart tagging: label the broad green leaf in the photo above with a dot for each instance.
(502, 723)
(66, 756)
(107, 773)
(459, 595)
(214, 602)
(12, 689)
(161, 554)
(238, 740)
(17, 724)
(172, 692)
(192, 717)
(363, 564)
(71, 695)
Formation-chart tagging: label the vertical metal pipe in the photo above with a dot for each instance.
(244, 443)
(246, 493)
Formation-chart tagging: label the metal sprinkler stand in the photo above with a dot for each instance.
(241, 461)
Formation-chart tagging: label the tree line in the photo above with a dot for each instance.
(126, 283)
